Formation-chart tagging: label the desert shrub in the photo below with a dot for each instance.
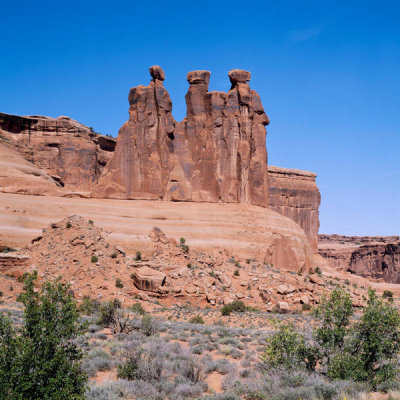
(236, 305)
(148, 326)
(89, 305)
(183, 245)
(317, 270)
(236, 272)
(96, 360)
(107, 314)
(114, 255)
(118, 283)
(146, 364)
(40, 359)
(94, 259)
(197, 319)
(68, 225)
(91, 222)
(305, 307)
(191, 370)
(114, 317)
(388, 294)
(138, 309)
(138, 256)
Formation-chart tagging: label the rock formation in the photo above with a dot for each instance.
(217, 153)
(60, 147)
(376, 257)
(294, 194)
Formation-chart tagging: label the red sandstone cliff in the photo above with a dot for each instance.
(294, 194)
(62, 148)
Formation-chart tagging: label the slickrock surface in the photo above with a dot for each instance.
(295, 194)
(376, 257)
(60, 147)
(245, 230)
(216, 154)
(173, 272)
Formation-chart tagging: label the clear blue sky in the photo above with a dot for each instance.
(328, 73)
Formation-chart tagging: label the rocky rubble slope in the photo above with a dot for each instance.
(173, 273)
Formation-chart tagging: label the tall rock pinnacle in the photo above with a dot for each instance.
(217, 153)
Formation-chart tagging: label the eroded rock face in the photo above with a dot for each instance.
(60, 147)
(372, 257)
(217, 153)
(294, 194)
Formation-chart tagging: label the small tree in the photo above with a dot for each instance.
(335, 312)
(377, 339)
(40, 359)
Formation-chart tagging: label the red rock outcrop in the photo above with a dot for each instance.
(62, 148)
(376, 257)
(217, 153)
(20, 176)
(295, 194)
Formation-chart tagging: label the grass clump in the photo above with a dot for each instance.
(94, 259)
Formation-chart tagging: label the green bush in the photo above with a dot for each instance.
(197, 319)
(388, 294)
(138, 309)
(184, 246)
(138, 256)
(107, 314)
(88, 306)
(288, 348)
(318, 271)
(236, 272)
(39, 359)
(148, 326)
(118, 283)
(236, 305)
(114, 255)
(94, 259)
(68, 225)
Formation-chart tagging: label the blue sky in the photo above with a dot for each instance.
(328, 73)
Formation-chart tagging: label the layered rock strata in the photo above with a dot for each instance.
(295, 194)
(62, 148)
(217, 153)
(376, 257)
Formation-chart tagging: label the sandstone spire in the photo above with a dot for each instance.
(217, 153)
